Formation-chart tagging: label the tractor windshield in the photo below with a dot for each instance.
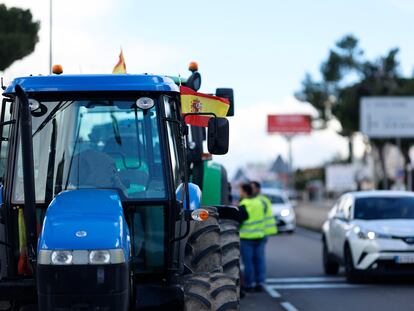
(94, 144)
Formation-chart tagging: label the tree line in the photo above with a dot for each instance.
(347, 75)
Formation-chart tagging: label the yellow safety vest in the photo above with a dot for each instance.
(253, 227)
(270, 226)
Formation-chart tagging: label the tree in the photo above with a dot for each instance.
(347, 77)
(18, 35)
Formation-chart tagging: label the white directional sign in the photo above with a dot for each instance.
(387, 116)
(340, 177)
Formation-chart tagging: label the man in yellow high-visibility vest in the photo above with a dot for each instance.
(252, 239)
(270, 225)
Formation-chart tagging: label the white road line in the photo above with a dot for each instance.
(305, 280)
(288, 306)
(314, 286)
(272, 292)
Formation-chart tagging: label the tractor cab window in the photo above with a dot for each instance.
(94, 144)
(175, 140)
(4, 134)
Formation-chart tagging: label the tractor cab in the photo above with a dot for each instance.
(95, 200)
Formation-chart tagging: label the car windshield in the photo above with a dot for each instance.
(384, 208)
(276, 199)
(94, 144)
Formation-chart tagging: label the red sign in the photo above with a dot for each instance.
(289, 123)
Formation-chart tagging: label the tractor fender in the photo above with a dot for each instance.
(228, 212)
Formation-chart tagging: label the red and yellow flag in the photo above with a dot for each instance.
(193, 102)
(120, 67)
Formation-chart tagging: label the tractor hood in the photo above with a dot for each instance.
(85, 219)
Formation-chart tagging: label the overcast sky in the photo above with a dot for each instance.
(260, 48)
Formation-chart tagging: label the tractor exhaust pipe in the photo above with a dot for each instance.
(28, 173)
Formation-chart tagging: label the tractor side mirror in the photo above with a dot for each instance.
(228, 94)
(194, 81)
(218, 136)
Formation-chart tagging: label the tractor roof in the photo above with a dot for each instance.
(74, 83)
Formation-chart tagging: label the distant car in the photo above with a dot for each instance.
(370, 232)
(282, 210)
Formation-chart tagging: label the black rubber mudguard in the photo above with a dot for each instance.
(228, 212)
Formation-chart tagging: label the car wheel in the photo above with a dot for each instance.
(330, 266)
(352, 275)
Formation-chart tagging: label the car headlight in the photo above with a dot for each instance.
(285, 212)
(81, 257)
(370, 235)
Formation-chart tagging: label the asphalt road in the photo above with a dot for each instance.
(296, 282)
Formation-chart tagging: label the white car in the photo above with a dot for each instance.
(282, 210)
(370, 232)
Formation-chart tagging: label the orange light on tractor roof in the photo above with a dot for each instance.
(57, 69)
(193, 66)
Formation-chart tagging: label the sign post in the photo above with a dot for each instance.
(289, 125)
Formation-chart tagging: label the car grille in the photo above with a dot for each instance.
(386, 267)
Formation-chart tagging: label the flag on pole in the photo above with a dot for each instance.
(120, 67)
(193, 102)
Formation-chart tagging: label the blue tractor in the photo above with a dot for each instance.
(97, 211)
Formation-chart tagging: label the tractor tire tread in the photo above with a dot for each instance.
(220, 296)
(203, 251)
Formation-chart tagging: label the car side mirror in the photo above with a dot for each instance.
(218, 136)
(340, 216)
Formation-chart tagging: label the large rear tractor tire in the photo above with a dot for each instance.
(230, 249)
(210, 292)
(203, 251)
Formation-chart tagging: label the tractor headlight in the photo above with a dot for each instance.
(61, 257)
(81, 257)
(99, 257)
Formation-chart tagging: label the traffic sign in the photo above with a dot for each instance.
(387, 116)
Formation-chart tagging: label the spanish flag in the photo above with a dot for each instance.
(120, 67)
(193, 102)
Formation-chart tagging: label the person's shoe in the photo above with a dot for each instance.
(259, 288)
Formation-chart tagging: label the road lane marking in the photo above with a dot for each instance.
(305, 280)
(315, 286)
(288, 306)
(272, 292)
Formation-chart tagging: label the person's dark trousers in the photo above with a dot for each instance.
(253, 256)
